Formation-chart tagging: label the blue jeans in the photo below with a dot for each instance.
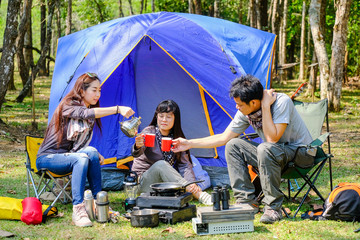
(82, 164)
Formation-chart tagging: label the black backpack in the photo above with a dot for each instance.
(342, 204)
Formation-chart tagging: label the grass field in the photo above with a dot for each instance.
(345, 143)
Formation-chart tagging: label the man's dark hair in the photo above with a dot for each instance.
(247, 88)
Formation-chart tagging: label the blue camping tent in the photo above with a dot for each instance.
(147, 58)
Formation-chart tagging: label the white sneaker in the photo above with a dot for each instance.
(79, 217)
(205, 198)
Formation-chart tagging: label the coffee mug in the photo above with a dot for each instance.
(166, 144)
(149, 139)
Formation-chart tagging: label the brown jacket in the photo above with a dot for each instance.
(145, 157)
(49, 146)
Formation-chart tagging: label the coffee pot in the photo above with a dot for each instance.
(130, 127)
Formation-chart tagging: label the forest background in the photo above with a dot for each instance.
(316, 37)
(30, 58)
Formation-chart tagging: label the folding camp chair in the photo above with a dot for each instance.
(46, 178)
(313, 115)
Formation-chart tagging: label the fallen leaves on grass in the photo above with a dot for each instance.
(169, 230)
(189, 235)
(11, 191)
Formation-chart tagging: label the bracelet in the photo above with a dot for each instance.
(117, 109)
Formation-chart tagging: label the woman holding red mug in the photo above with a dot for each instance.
(154, 161)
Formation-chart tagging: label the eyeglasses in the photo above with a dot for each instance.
(92, 75)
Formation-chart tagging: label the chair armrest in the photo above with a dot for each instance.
(320, 140)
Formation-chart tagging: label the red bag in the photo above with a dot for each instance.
(32, 211)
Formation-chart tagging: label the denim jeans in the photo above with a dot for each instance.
(82, 164)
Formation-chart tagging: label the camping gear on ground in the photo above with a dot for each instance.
(46, 179)
(238, 218)
(130, 127)
(11, 208)
(144, 218)
(225, 197)
(343, 203)
(131, 190)
(149, 139)
(89, 204)
(32, 211)
(314, 115)
(215, 198)
(158, 57)
(102, 207)
(173, 206)
(171, 187)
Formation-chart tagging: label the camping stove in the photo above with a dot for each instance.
(173, 207)
(238, 218)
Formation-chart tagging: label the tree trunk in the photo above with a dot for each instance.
(302, 44)
(121, 13)
(258, 15)
(313, 76)
(42, 71)
(283, 35)
(9, 47)
(58, 28)
(28, 52)
(22, 66)
(263, 13)
(252, 13)
(191, 9)
(36, 69)
(11, 85)
(319, 45)
(141, 6)
(68, 18)
(240, 11)
(153, 5)
(217, 8)
(338, 52)
(198, 7)
(131, 8)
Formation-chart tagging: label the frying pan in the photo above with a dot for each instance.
(170, 187)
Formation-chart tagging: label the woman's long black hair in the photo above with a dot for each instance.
(167, 106)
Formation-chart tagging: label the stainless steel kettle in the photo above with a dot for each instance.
(130, 127)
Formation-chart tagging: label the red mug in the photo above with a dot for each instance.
(166, 143)
(149, 139)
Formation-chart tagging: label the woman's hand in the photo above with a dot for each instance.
(101, 158)
(139, 141)
(125, 111)
(194, 189)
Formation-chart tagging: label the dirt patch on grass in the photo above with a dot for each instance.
(13, 138)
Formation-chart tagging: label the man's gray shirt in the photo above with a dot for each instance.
(282, 111)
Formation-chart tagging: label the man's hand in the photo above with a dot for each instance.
(180, 145)
(269, 98)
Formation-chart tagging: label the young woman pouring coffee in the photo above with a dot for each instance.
(65, 147)
(156, 164)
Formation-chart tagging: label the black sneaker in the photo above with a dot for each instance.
(270, 216)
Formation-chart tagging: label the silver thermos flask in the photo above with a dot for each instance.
(102, 205)
(89, 204)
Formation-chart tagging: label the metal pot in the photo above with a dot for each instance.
(170, 187)
(144, 218)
